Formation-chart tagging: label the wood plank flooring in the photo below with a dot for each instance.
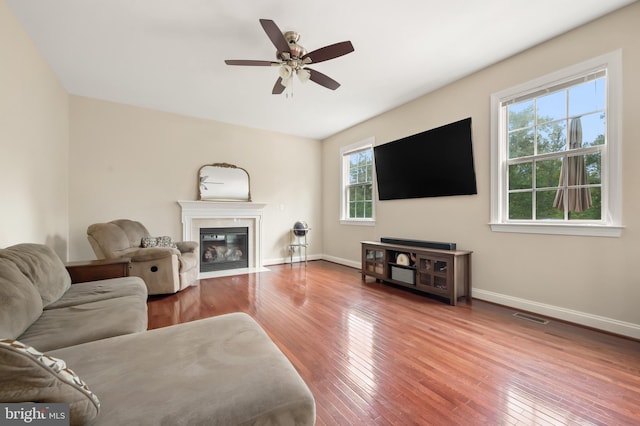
(377, 355)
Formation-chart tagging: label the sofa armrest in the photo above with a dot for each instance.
(151, 253)
(187, 246)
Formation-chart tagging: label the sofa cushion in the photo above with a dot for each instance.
(20, 302)
(223, 370)
(43, 267)
(94, 291)
(107, 239)
(134, 230)
(27, 375)
(72, 325)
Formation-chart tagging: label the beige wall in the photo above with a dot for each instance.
(33, 143)
(128, 162)
(584, 279)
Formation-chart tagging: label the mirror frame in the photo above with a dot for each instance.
(241, 186)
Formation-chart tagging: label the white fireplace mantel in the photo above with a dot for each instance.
(211, 214)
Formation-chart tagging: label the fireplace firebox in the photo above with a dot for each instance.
(223, 248)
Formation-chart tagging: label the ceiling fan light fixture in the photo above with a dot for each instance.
(303, 75)
(286, 72)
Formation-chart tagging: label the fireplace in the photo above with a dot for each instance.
(197, 215)
(223, 248)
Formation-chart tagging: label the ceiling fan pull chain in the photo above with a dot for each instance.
(289, 93)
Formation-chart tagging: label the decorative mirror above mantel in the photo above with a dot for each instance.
(223, 182)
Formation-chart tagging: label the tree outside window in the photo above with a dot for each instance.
(357, 182)
(556, 152)
(542, 150)
(360, 186)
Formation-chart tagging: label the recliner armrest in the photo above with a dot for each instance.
(187, 246)
(151, 253)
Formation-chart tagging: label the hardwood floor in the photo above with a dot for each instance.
(374, 354)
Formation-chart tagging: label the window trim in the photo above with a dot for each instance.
(611, 223)
(364, 144)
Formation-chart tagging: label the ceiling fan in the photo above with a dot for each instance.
(293, 58)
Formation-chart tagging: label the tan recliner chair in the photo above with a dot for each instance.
(164, 269)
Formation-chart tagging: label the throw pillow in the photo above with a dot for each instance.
(165, 241)
(149, 242)
(27, 375)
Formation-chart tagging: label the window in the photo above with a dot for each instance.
(357, 183)
(555, 152)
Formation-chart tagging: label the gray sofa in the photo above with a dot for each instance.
(86, 345)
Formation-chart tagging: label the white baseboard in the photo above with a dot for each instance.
(296, 259)
(340, 261)
(601, 323)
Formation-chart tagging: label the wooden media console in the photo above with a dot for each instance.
(444, 273)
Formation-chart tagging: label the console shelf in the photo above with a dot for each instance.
(444, 273)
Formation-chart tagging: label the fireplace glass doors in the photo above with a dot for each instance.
(223, 248)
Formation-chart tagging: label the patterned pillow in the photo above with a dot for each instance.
(149, 242)
(27, 375)
(163, 241)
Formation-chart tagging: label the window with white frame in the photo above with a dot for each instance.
(357, 204)
(555, 152)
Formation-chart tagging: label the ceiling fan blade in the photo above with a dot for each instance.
(322, 79)
(250, 63)
(278, 87)
(275, 35)
(329, 52)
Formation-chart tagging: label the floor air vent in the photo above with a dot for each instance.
(530, 318)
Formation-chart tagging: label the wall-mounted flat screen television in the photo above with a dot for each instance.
(434, 163)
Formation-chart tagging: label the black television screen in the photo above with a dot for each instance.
(434, 163)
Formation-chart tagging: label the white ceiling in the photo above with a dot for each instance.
(169, 54)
